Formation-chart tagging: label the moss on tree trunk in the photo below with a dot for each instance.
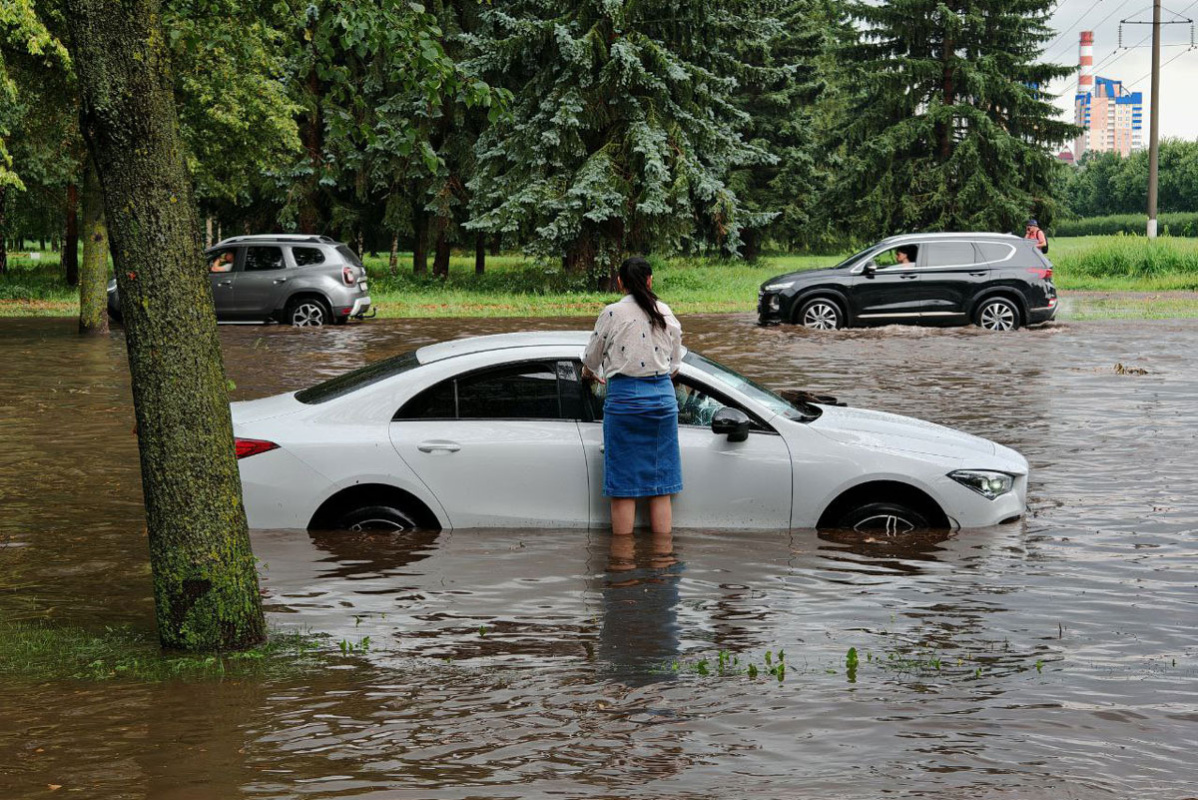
(93, 273)
(205, 581)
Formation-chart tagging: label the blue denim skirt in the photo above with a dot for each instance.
(640, 438)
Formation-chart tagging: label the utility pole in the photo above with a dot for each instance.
(1154, 114)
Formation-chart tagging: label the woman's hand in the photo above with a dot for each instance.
(587, 375)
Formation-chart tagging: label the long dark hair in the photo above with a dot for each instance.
(634, 275)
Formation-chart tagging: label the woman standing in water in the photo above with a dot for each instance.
(637, 348)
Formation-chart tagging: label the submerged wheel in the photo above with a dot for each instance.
(377, 518)
(891, 519)
(821, 315)
(997, 314)
(308, 312)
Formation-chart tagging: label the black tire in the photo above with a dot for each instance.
(308, 312)
(890, 519)
(997, 314)
(377, 518)
(820, 314)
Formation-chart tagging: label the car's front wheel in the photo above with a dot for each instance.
(308, 312)
(377, 518)
(821, 314)
(890, 519)
(997, 314)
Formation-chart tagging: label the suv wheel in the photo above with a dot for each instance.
(890, 519)
(821, 314)
(308, 312)
(377, 518)
(997, 314)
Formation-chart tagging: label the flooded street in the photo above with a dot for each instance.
(1052, 658)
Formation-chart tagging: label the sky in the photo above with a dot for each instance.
(1132, 65)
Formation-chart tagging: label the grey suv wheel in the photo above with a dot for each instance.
(997, 314)
(821, 314)
(308, 312)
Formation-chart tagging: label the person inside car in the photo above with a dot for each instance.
(222, 263)
(905, 256)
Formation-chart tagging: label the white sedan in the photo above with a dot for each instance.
(501, 431)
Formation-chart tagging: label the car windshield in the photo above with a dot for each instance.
(851, 259)
(359, 378)
(754, 391)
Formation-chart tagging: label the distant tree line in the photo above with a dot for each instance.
(1104, 184)
(576, 130)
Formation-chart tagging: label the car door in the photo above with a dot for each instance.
(890, 291)
(725, 484)
(498, 448)
(221, 275)
(259, 284)
(951, 272)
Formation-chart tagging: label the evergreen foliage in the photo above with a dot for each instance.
(949, 129)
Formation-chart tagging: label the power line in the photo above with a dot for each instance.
(1096, 24)
(1075, 26)
(1167, 63)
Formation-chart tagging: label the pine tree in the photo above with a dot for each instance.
(623, 129)
(951, 128)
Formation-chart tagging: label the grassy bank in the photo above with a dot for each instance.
(514, 286)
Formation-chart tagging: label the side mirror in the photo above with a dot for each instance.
(870, 268)
(731, 421)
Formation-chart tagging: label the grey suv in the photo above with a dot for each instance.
(293, 278)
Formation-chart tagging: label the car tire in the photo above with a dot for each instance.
(377, 518)
(820, 314)
(891, 519)
(308, 312)
(997, 314)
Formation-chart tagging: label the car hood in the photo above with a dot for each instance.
(803, 275)
(882, 431)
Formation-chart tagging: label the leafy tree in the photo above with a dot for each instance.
(1107, 183)
(949, 129)
(624, 127)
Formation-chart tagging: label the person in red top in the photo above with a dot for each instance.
(1034, 232)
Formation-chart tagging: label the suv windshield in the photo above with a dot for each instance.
(758, 393)
(359, 378)
(854, 257)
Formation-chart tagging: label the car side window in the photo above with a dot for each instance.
(307, 256)
(696, 405)
(902, 257)
(950, 254)
(222, 260)
(260, 258)
(522, 391)
(994, 251)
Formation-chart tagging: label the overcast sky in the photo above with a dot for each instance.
(1132, 65)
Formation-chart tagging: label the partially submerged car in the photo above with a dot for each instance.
(996, 281)
(301, 280)
(502, 431)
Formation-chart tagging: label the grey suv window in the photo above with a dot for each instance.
(262, 258)
(949, 254)
(995, 251)
(307, 256)
(349, 255)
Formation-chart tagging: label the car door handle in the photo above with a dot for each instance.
(438, 447)
(977, 274)
(908, 277)
(224, 283)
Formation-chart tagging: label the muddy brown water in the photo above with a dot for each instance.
(519, 663)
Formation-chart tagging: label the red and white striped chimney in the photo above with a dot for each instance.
(1085, 62)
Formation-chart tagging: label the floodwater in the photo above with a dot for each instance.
(1053, 658)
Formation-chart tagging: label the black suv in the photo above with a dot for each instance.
(996, 281)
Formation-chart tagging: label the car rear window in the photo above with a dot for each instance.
(307, 256)
(358, 379)
(349, 255)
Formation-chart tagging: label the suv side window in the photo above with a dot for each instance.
(258, 258)
(994, 251)
(307, 256)
(949, 254)
(519, 391)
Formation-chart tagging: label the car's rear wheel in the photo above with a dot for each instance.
(308, 312)
(890, 519)
(821, 314)
(377, 518)
(997, 314)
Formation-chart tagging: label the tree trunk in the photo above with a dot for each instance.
(752, 244)
(441, 253)
(93, 276)
(311, 130)
(205, 581)
(480, 253)
(393, 261)
(419, 241)
(70, 244)
(496, 240)
(3, 229)
(949, 98)
(208, 242)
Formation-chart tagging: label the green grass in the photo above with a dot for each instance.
(515, 286)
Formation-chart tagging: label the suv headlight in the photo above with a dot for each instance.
(777, 287)
(986, 483)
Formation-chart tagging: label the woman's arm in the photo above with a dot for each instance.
(592, 356)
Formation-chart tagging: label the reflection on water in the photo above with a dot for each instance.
(1053, 658)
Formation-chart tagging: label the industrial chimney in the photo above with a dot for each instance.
(1085, 63)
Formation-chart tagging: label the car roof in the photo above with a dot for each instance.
(908, 237)
(501, 341)
(277, 237)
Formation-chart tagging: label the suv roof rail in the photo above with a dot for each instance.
(278, 237)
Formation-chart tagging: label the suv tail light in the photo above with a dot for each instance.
(252, 447)
(1043, 273)
(349, 275)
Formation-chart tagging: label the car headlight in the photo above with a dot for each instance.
(986, 483)
(777, 287)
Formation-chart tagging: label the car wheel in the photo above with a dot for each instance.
(821, 315)
(377, 518)
(890, 519)
(308, 312)
(997, 314)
